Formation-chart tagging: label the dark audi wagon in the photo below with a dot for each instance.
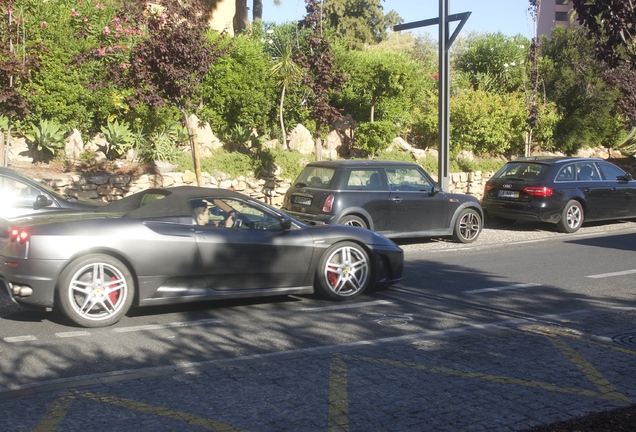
(395, 199)
(565, 191)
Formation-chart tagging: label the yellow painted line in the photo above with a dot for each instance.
(58, 410)
(593, 375)
(338, 397)
(497, 379)
(55, 414)
(163, 412)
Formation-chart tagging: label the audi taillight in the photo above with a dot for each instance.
(488, 187)
(539, 191)
(328, 204)
(19, 235)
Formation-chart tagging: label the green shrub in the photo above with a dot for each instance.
(374, 137)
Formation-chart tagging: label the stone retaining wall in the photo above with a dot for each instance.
(106, 188)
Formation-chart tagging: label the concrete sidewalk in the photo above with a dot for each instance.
(497, 377)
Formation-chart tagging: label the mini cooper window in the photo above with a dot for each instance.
(567, 173)
(366, 180)
(316, 177)
(408, 179)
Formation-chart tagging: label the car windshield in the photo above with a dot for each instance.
(316, 177)
(522, 171)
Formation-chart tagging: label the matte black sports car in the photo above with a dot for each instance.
(183, 244)
(395, 199)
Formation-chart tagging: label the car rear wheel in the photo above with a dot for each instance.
(467, 226)
(344, 271)
(571, 217)
(352, 220)
(95, 290)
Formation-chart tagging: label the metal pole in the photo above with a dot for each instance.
(443, 98)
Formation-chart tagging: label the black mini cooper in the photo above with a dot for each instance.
(561, 190)
(395, 199)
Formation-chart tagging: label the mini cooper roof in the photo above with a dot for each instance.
(361, 164)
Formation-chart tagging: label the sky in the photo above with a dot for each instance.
(509, 17)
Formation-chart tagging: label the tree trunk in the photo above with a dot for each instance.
(194, 146)
(257, 10)
(280, 116)
(241, 20)
(318, 147)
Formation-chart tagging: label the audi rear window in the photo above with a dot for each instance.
(522, 171)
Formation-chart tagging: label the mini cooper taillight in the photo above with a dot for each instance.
(539, 191)
(328, 204)
(19, 235)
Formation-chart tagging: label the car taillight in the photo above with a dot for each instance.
(19, 235)
(328, 204)
(488, 187)
(541, 191)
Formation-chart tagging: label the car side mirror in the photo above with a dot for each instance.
(628, 177)
(41, 201)
(435, 190)
(285, 222)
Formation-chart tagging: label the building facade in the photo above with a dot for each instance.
(552, 13)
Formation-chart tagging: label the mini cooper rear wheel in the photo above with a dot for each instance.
(344, 271)
(571, 217)
(467, 226)
(352, 220)
(95, 290)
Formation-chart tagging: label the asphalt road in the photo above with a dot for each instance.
(520, 272)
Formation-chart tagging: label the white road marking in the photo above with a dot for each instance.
(348, 306)
(501, 288)
(167, 325)
(20, 339)
(604, 275)
(72, 334)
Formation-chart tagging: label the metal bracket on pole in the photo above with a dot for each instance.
(445, 43)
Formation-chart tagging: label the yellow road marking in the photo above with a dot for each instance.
(60, 407)
(338, 396)
(497, 379)
(55, 414)
(600, 382)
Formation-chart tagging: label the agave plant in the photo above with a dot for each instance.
(45, 139)
(627, 145)
(119, 138)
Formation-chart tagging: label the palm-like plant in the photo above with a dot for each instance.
(288, 73)
(45, 139)
(119, 138)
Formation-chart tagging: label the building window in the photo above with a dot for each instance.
(561, 16)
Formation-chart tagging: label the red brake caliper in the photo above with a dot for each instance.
(332, 277)
(113, 295)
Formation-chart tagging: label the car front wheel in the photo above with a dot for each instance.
(344, 271)
(467, 226)
(95, 290)
(571, 217)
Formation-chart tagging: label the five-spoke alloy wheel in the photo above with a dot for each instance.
(95, 290)
(344, 271)
(571, 217)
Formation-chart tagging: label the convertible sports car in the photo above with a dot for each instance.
(183, 244)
